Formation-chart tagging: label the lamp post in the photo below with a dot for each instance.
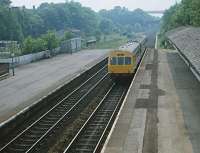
(13, 67)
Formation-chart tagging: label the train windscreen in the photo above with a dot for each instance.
(120, 61)
(127, 60)
(113, 61)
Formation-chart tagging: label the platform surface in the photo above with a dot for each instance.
(35, 80)
(161, 113)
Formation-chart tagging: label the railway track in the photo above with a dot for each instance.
(93, 133)
(33, 138)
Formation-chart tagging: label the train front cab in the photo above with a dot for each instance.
(121, 65)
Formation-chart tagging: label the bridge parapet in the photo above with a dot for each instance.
(156, 12)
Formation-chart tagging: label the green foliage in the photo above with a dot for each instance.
(51, 40)
(186, 13)
(67, 35)
(31, 26)
(129, 21)
(106, 26)
(68, 15)
(33, 45)
(111, 41)
(9, 26)
(98, 35)
(5, 2)
(183, 14)
(19, 23)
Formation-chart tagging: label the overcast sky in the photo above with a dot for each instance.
(107, 4)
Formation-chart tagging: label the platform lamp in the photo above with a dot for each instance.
(13, 67)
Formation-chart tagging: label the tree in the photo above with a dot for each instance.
(5, 2)
(98, 35)
(185, 13)
(32, 45)
(33, 25)
(51, 40)
(28, 45)
(122, 18)
(67, 35)
(106, 26)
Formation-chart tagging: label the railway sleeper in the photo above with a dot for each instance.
(102, 118)
(51, 118)
(91, 132)
(82, 150)
(45, 124)
(48, 121)
(105, 115)
(87, 144)
(32, 136)
(14, 150)
(90, 136)
(83, 140)
(97, 124)
(22, 145)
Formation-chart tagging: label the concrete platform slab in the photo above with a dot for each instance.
(161, 113)
(35, 80)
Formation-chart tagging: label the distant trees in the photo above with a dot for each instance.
(31, 27)
(130, 21)
(19, 23)
(68, 15)
(106, 26)
(5, 3)
(10, 28)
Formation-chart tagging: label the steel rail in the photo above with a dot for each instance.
(64, 116)
(94, 148)
(106, 110)
(91, 85)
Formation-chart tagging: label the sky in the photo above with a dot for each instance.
(106, 4)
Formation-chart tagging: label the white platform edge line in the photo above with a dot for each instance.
(122, 106)
(156, 43)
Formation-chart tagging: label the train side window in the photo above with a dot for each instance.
(127, 60)
(120, 60)
(113, 61)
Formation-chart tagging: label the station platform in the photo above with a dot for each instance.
(33, 81)
(161, 112)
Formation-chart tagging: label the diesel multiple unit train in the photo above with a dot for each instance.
(123, 61)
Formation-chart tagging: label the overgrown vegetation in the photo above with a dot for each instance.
(48, 41)
(186, 13)
(31, 27)
(111, 41)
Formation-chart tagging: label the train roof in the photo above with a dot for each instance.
(132, 45)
